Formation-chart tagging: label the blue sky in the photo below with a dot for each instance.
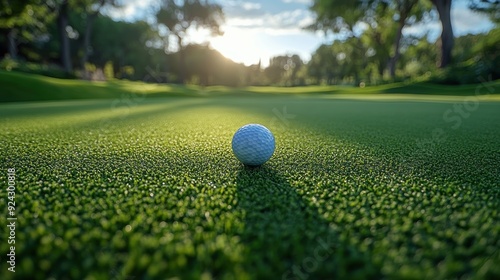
(260, 29)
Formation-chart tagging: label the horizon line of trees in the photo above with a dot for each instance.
(75, 34)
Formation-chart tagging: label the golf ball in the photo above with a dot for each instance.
(253, 144)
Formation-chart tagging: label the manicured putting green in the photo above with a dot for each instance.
(356, 189)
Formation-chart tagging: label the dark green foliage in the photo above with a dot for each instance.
(480, 56)
(111, 42)
(49, 70)
(149, 189)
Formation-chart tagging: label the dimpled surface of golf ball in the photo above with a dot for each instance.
(253, 144)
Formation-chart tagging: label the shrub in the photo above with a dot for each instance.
(484, 64)
(50, 70)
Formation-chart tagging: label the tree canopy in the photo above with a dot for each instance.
(179, 16)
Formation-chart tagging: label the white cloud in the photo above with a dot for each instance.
(120, 13)
(245, 22)
(307, 20)
(466, 21)
(129, 10)
(463, 21)
(305, 2)
(286, 20)
(242, 9)
(251, 6)
(420, 29)
(281, 31)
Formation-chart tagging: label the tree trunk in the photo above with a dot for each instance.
(12, 45)
(86, 38)
(444, 10)
(381, 63)
(394, 59)
(182, 61)
(88, 32)
(62, 23)
(380, 68)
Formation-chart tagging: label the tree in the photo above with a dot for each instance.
(276, 69)
(377, 38)
(294, 65)
(61, 8)
(323, 65)
(419, 56)
(91, 10)
(443, 8)
(284, 69)
(343, 15)
(341, 62)
(111, 42)
(11, 16)
(351, 56)
(406, 12)
(179, 16)
(336, 16)
(62, 11)
(20, 17)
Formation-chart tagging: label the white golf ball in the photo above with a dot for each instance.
(253, 144)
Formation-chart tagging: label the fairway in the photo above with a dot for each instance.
(148, 188)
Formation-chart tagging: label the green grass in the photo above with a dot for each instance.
(26, 87)
(149, 189)
(17, 87)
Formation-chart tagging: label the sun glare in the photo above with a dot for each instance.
(239, 46)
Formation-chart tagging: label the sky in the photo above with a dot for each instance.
(260, 29)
